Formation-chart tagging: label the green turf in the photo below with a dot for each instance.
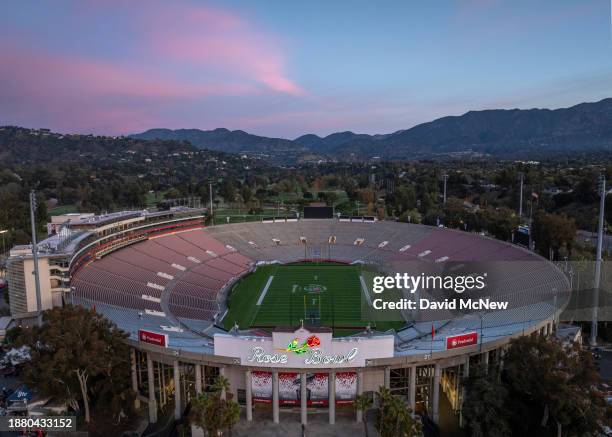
(293, 296)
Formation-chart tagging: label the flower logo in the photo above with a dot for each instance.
(294, 346)
(313, 341)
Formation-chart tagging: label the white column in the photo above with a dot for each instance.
(303, 399)
(198, 377)
(485, 361)
(412, 388)
(436, 394)
(178, 411)
(359, 392)
(249, 395)
(222, 373)
(134, 378)
(387, 377)
(331, 386)
(275, 412)
(152, 401)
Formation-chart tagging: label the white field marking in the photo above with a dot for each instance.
(154, 285)
(295, 286)
(364, 288)
(165, 275)
(265, 290)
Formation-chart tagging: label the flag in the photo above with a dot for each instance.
(433, 331)
(535, 195)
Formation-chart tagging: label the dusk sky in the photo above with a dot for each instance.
(285, 68)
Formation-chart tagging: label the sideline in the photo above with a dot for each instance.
(265, 290)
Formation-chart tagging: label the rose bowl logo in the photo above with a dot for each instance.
(314, 288)
(310, 343)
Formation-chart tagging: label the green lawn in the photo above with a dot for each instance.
(64, 209)
(320, 294)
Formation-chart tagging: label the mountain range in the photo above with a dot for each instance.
(510, 133)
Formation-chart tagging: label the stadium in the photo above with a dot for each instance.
(283, 309)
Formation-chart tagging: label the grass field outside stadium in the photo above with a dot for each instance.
(320, 294)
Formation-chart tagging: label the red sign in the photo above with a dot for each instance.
(461, 340)
(153, 338)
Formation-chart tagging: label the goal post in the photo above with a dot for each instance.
(312, 308)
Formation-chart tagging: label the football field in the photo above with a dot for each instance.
(320, 294)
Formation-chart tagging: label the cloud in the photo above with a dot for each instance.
(212, 38)
(172, 55)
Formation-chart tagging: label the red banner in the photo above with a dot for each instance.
(153, 338)
(461, 340)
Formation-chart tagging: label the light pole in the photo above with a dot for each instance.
(602, 203)
(35, 256)
(212, 220)
(521, 178)
(445, 181)
(4, 231)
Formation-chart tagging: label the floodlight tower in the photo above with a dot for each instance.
(521, 179)
(445, 176)
(602, 203)
(212, 219)
(33, 207)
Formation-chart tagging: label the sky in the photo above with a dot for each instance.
(286, 68)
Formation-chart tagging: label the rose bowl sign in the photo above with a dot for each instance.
(153, 338)
(462, 340)
(302, 348)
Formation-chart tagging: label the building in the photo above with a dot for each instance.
(164, 279)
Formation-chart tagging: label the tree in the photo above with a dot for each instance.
(485, 405)
(552, 387)
(231, 416)
(210, 411)
(395, 417)
(74, 355)
(551, 232)
(221, 385)
(363, 403)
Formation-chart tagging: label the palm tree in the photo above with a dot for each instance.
(221, 385)
(204, 413)
(230, 415)
(363, 403)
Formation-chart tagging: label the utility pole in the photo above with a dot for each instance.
(602, 203)
(521, 178)
(33, 207)
(212, 218)
(445, 180)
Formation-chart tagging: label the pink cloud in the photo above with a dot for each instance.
(211, 38)
(171, 55)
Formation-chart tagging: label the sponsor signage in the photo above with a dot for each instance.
(463, 340)
(153, 338)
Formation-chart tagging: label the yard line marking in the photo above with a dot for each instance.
(265, 290)
(364, 288)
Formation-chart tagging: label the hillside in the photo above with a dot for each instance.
(22, 146)
(236, 141)
(524, 133)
